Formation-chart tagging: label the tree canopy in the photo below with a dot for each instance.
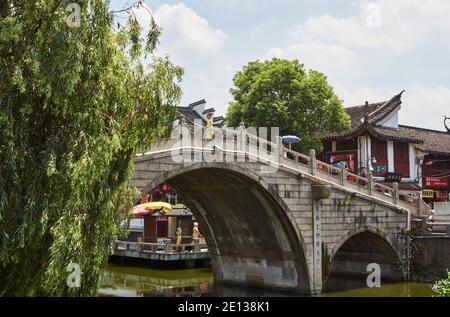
(281, 93)
(76, 104)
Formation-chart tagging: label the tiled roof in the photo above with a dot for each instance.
(192, 105)
(393, 134)
(209, 110)
(189, 114)
(434, 142)
(386, 109)
(219, 122)
(368, 117)
(180, 212)
(174, 212)
(358, 113)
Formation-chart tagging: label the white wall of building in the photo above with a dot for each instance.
(390, 154)
(413, 166)
(391, 121)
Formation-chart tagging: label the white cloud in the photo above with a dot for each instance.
(350, 32)
(404, 25)
(183, 28)
(358, 96)
(316, 55)
(424, 106)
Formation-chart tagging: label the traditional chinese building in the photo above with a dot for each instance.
(197, 113)
(435, 172)
(415, 158)
(159, 226)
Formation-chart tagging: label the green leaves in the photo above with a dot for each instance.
(17, 79)
(75, 105)
(442, 287)
(153, 36)
(281, 93)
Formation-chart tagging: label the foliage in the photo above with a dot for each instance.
(281, 93)
(442, 287)
(75, 105)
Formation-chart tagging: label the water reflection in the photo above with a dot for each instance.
(141, 282)
(126, 281)
(344, 287)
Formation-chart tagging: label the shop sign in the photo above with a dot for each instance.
(161, 218)
(379, 169)
(442, 194)
(345, 159)
(436, 182)
(427, 193)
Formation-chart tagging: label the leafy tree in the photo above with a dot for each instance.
(281, 93)
(442, 287)
(75, 105)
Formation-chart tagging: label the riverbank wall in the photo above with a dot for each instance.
(430, 258)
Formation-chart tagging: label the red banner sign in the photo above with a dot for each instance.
(435, 182)
(161, 218)
(442, 195)
(345, 160)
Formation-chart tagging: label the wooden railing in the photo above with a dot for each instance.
(244, 143)
(168, 246)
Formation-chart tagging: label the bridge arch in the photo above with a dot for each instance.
(248, 227)
(370, 229)
(360, 247)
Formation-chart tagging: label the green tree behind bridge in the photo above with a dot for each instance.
(281, 93)
(75, 105)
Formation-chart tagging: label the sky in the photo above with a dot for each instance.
(369, 50)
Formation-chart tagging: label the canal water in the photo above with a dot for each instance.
(129, 281)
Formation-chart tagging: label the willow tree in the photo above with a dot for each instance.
(76, 102)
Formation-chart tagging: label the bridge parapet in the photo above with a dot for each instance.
(189, 146)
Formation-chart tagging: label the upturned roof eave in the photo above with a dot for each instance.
(365, 128)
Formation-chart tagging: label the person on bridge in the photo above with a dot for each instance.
(179, 233)
(209, 126)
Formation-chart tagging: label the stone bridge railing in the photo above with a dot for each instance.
(225, 144)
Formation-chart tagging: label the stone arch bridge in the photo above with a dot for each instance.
(275, 218)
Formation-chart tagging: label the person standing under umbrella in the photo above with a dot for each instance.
(290, 139)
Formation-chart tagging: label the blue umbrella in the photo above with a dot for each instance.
(290, 139)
